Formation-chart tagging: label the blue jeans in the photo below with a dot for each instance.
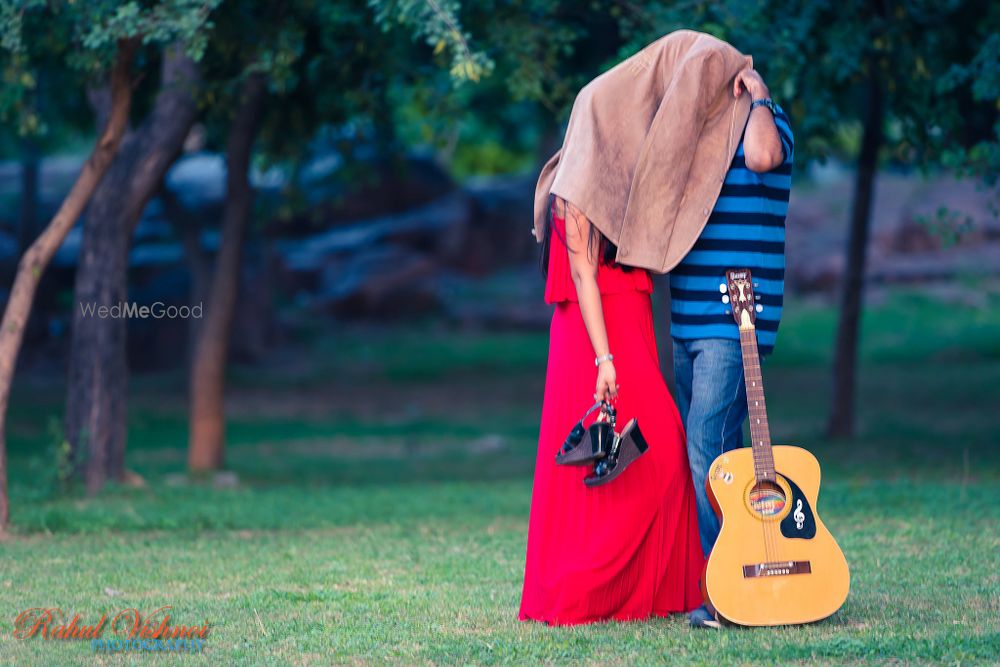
(712, 401)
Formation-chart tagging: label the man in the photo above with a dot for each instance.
(746, 229)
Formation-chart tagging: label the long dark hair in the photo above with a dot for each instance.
(596, 241)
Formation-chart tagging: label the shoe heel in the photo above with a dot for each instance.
(640, 440)
(593, 446)
(573, 441)
(631, 446)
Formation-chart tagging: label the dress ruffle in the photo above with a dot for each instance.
(610, 279)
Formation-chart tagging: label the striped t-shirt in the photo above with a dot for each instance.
(746, 230)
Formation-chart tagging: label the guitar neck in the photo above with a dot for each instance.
(763, 459)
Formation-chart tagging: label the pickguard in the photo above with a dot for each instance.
(800, 522)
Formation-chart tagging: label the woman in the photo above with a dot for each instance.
(628, 549)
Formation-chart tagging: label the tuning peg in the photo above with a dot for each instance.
(722, 288)
(756, 284)
(759, 308)
(757, 296)
(725, 298)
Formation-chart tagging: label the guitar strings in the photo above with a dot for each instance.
(766, 458)
(763, 458)
(753, 451)
(753, 448)
(766, 538)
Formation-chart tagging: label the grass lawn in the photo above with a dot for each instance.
(383, 491)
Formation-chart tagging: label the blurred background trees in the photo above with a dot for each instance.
(78, 45)
(300, 165)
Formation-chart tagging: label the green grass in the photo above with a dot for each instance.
(386, 523)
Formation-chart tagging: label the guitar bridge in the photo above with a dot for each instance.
(777, 569)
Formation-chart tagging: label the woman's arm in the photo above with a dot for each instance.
(761, 143)
(583, 262)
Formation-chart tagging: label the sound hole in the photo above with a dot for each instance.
(767, 499)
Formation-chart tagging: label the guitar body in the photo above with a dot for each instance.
(774, 563)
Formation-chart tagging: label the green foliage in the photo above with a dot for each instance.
(67, 45)
(52, 472)
(542, 50)
(161, 23)
(938, 63)
(62, 455)
(982, 75)
(479, 157)
(486, 82)
(12, 23)
(437, 22)
(535, 41)
(947, 225)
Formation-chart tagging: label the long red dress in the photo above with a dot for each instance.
(628, 549)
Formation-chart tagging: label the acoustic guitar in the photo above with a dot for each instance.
(774, 563)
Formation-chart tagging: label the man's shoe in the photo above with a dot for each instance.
(701, 618)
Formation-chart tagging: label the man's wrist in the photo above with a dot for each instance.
(766, 102)
(760, 92)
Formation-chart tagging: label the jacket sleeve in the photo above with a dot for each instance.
(542, 190)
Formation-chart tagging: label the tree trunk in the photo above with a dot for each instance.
(98, 369)
(187, 226)
(845, 358)
(37, 257)
(206, 445)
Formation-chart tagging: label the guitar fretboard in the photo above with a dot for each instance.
(763, 459)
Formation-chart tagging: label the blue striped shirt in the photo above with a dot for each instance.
(746, 230)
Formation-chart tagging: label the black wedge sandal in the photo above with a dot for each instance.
(584, 445)
(628, 447)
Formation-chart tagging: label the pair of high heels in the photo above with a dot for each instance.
(610, 452)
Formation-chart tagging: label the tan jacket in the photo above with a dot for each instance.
(648, 146)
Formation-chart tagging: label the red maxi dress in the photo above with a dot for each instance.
(628, 549)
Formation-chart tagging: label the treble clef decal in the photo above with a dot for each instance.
(798, 515)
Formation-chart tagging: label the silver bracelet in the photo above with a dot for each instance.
(606, 357)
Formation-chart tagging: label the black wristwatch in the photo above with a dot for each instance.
(765, 102)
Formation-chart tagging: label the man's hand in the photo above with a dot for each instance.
(752, 81)
(761, 143)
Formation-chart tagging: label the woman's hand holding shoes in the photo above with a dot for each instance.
(607, 382)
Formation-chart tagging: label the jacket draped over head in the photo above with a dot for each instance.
(648, 146)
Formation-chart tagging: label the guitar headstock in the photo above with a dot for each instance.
(737, 291)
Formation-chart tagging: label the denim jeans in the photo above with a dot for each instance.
(712, 401)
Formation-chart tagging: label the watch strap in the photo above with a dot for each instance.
(765, 102)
